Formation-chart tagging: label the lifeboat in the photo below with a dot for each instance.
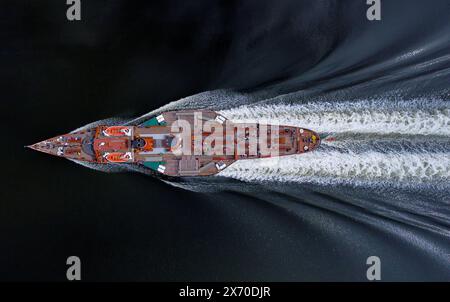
(118, 131)
(118, 157)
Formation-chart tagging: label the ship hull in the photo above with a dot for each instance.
(181, 143)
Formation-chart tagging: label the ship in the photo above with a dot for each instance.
(181, 143)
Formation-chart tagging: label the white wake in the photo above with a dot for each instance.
(326, 166)
(377, 116)
(334, 166)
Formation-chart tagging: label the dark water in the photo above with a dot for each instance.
(380, 89)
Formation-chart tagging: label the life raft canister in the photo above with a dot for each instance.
(118, 157)
(118, 131)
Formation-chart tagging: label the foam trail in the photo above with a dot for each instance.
(400, 143)
(377, 141)
(426, 117)
(329, 167)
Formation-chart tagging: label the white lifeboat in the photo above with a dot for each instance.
(118, 157)
(118, 131)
